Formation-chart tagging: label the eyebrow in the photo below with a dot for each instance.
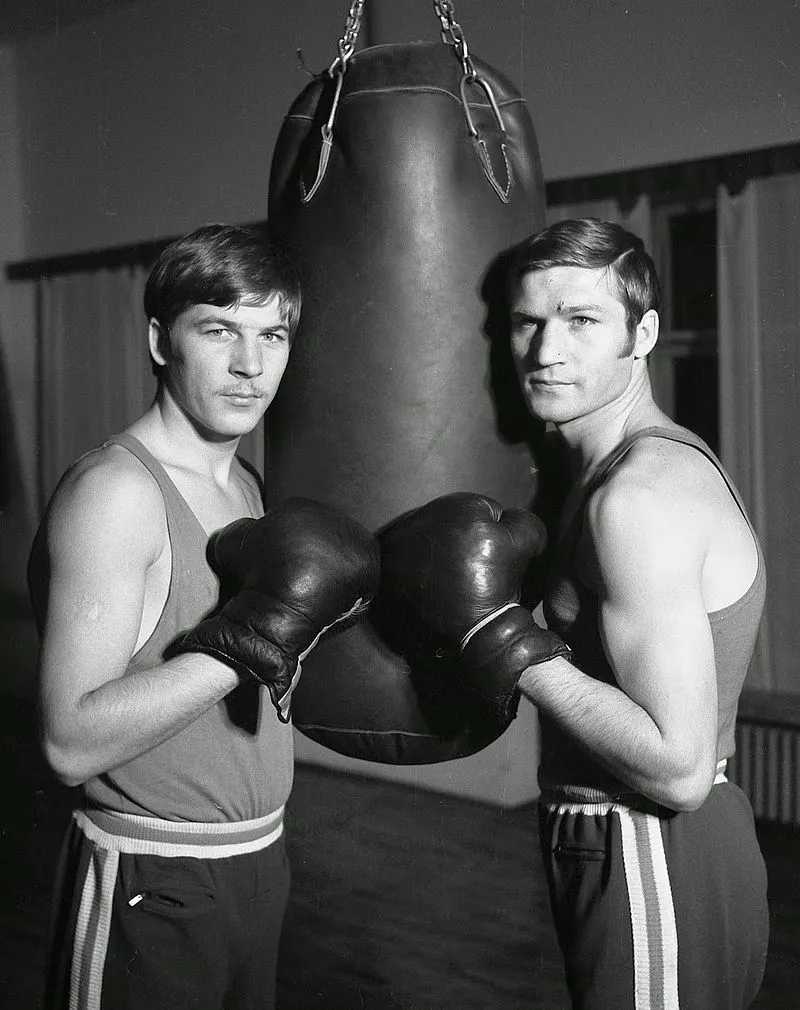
(562, 309)
(215, 318)
(232, 323)
(568, 310)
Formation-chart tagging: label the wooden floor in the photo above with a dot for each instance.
(401, 898)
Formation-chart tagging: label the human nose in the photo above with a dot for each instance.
(246, 357)
(539, 346)
(549, 344)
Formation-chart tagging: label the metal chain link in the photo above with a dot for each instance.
(347, 43)
(453, 35)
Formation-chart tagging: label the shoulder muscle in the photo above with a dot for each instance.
(106, 503)
(643, 523)
(105, 525)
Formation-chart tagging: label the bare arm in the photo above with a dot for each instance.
(104, 532)
(657, 731)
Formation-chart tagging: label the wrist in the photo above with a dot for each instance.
(536, 679)
(210, 666)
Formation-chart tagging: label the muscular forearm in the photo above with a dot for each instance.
(128, 716)
(618, 733)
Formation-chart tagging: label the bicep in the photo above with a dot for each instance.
(653, 622)
(98, 563)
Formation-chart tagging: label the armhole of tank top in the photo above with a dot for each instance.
(255, 487)
(171, 588)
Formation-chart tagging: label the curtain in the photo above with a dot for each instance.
(94, 376)
(607, 210)
(637, 220)
(759, 347)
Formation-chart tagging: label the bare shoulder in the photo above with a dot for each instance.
(660, 478)
(107, 495)
(653, 509)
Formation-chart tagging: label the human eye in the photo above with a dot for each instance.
(523, 324)
(217, 333)
(580, 322)
(274, 336)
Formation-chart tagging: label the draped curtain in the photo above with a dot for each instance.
(759, 355)
(95, 375)
(637, 220)
(94, 368)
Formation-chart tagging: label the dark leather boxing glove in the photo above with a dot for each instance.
(458, 564)
(297, 571)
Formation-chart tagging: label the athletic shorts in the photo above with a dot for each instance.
(657, 910)
(152, 914)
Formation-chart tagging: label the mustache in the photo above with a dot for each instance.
(240, 391)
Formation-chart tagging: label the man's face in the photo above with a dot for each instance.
(223, 365)
(570, 342)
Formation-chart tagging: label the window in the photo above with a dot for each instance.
(683, 365)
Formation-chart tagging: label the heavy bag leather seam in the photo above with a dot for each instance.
(507, 103)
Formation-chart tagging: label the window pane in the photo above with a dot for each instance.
(696, 397)
(693, 244)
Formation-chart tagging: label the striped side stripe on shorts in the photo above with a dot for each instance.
(113, 833)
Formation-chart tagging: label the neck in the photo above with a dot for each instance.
(592, 437)
(176, 441)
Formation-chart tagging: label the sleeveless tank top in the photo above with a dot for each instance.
(571, 609)
(235, 762)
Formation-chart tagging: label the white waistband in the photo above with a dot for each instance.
(575, 799)
(138, 835)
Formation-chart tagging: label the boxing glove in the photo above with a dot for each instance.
(296, 572)
(457, 565)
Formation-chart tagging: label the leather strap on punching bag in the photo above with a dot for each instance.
(400, 175)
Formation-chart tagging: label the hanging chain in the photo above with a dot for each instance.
(347, 43)
(453, 35)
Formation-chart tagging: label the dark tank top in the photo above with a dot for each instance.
(571, 609)
(234, 762)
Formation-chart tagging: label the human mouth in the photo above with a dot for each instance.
(535, 382)
(241, 399)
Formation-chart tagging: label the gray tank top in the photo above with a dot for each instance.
(235, 762)
(571, 610)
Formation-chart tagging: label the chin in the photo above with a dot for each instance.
(238, 430)
(544, 409)
(241, 422)
(223, 429)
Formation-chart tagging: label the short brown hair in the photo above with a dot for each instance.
(222, 265)
(594, 244)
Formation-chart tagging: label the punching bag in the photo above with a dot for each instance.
(399, 177)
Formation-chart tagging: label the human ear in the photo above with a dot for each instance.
(158, 339)
(646, 334)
